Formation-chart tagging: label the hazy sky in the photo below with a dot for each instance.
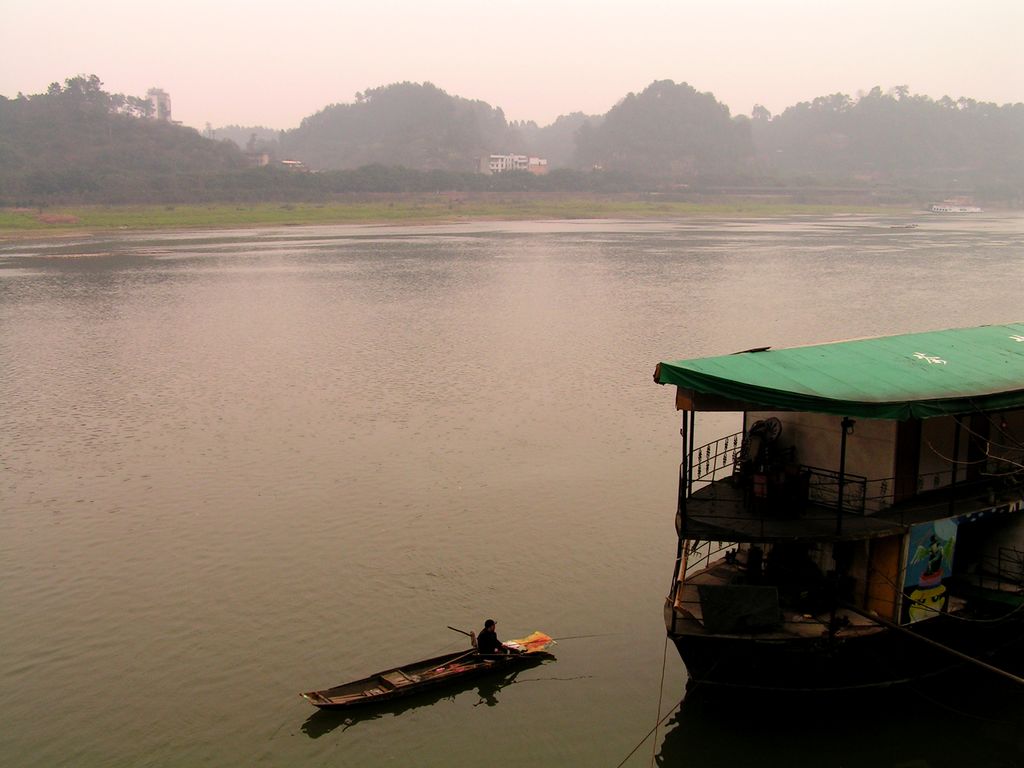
(258, 63)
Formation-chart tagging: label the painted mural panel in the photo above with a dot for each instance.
(929, 563)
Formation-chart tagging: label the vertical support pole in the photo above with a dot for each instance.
(846, 428)
(954, 465)
(688, 458)
(684, 463)
(685, 470)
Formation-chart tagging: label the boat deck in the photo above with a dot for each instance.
(690, 616)
(722, 511)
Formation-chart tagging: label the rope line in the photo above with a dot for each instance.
(649, 733)
(661, 694)
(654, 730)
(954, 710)
(935, 644)
(921, 604)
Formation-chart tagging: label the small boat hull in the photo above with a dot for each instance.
(429, 674)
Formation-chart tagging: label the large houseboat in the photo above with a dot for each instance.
(850, 514)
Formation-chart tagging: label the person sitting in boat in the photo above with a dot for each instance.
(487, 642)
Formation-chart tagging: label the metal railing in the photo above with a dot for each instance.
(1005, 569)
(722, 459)
(700, 553)
(717, 458)
(823, 489)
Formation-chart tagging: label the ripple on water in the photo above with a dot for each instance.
(246, 464)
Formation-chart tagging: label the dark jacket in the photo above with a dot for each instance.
(487, 642)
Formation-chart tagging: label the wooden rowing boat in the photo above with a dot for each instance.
(429, 673)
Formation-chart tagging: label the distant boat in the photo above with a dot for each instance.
(954, 206)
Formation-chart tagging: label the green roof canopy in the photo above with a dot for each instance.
(915, 375)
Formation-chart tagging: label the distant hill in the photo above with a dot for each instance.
(243, 135)
(668, 130)
(557, 142)
(78, 142)
(409, 124)
(897, 137)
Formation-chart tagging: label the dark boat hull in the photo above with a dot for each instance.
(883, 659)
(427, 675)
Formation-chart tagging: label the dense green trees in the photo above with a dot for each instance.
(78, 143)
(557, 142)
(408, 124)
(897, 137)
(668, 130)
(255, 138)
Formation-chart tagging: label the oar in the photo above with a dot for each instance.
(470, 635)
(467, 653)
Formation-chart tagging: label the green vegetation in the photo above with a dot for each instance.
(899, 138)
(79, 145)
(405, 124)
(26, 222)
(668, 131)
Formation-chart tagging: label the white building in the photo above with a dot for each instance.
(502, 163)
(537, 166)
(160, 104)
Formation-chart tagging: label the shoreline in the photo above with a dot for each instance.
(19, 224)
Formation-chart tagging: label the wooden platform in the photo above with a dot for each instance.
(721, 511)
(690, 616)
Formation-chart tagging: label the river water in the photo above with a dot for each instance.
(236, 465)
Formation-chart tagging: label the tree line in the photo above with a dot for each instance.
(897, 137)
(78, 143)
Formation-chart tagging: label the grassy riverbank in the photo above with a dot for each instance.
(398, 209)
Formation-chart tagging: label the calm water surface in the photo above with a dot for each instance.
(237, 465)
